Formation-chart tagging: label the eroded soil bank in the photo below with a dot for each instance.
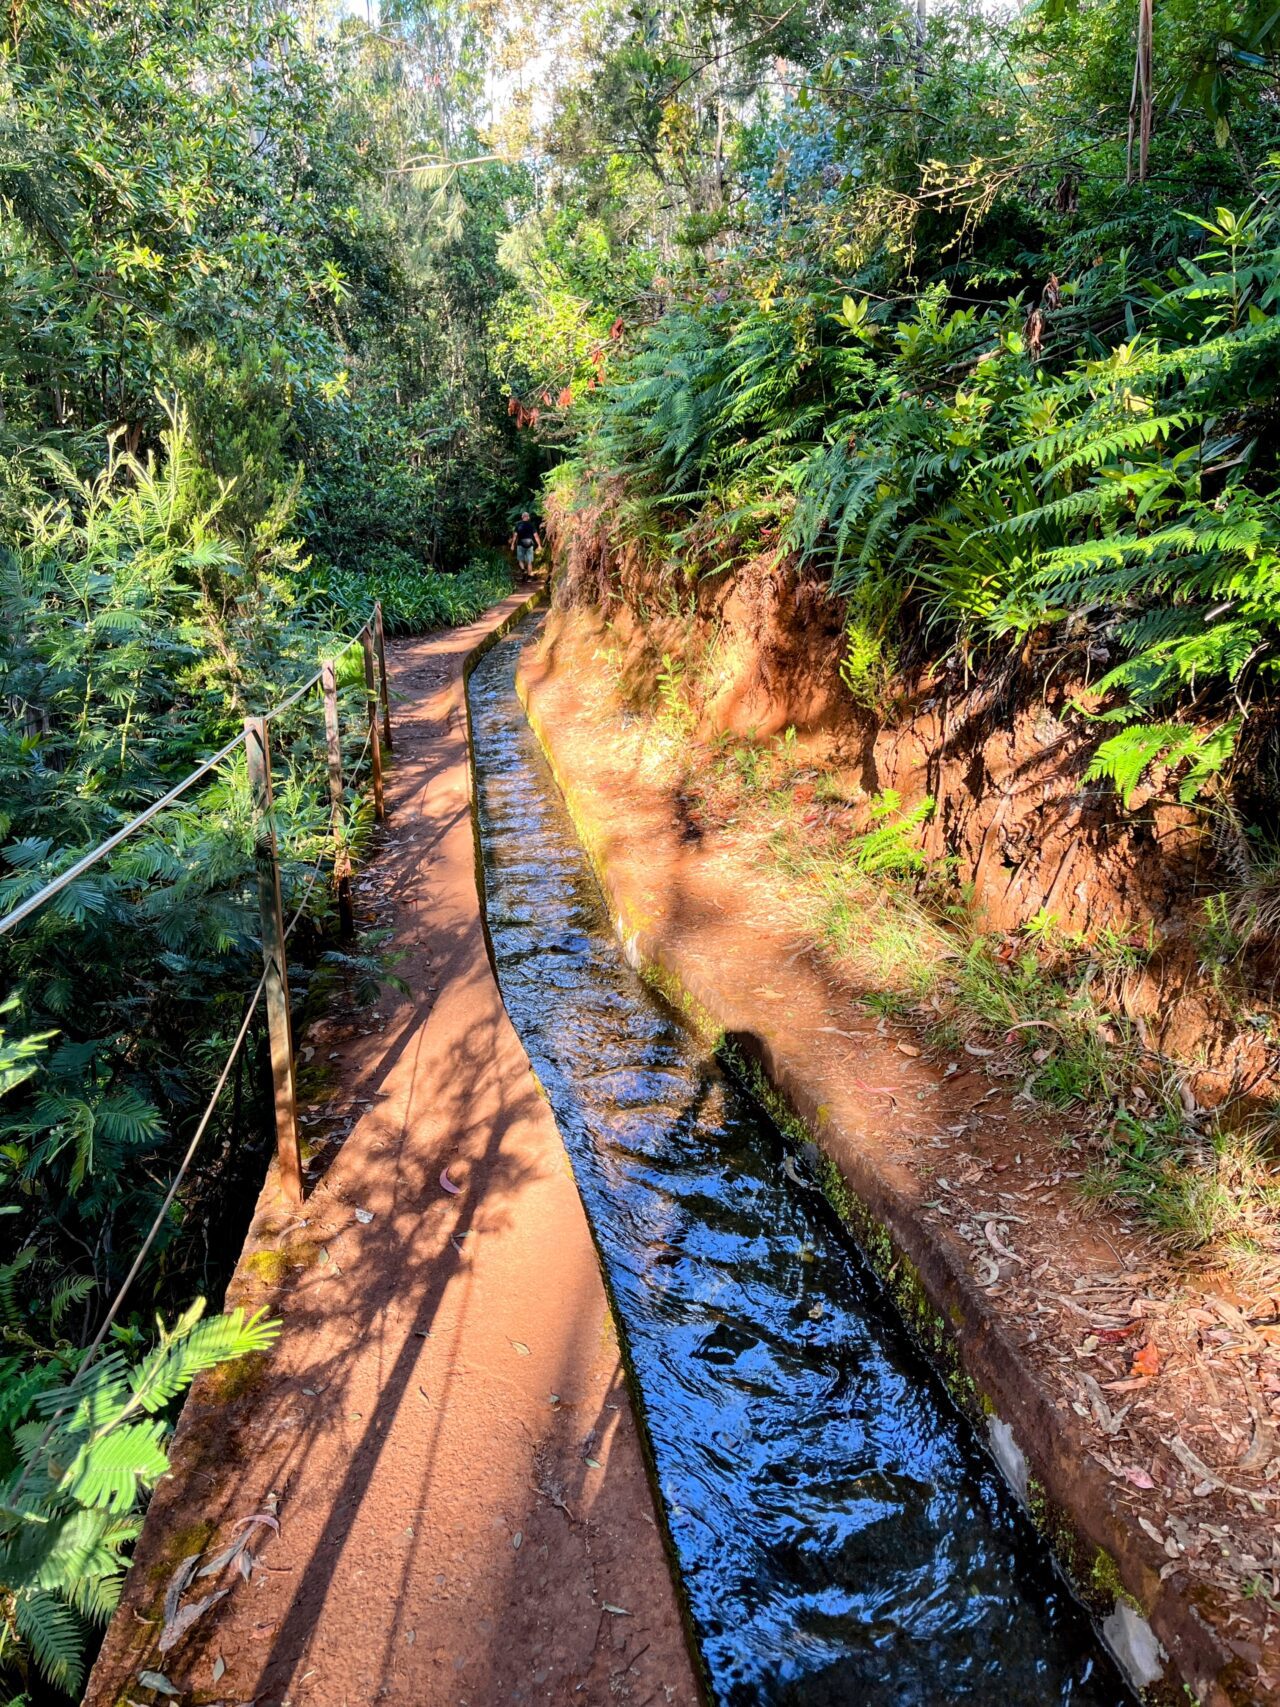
(433, 1490)
(1130, 1398)
(1001, 750)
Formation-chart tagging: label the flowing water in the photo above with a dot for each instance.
(841, 1537)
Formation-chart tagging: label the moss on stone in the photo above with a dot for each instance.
(684, 1003)
(1105, 1582)
(834, 1189)
(271, 1266)
(184, 1543)
(229, 1380)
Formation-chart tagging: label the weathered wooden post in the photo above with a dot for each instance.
(337, 801)
(258, 747)
(380, 645)
(375, 746)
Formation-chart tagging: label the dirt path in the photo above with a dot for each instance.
(1159, 1479)
(444, 1434)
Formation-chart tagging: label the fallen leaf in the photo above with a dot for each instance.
(177, 1583)
(620, 1610)
(874, 1090)
(364, 1216)
(521, 1347)
(219, 1666)
(176, 1628)
(517, 1538)
(267, 1519)
(789, 1168)
(998, 1245)
(1139, 1477)
(158, 1681)
(1146, 1360)
(1209, 1479)
(446, 1184)
(907, 1049)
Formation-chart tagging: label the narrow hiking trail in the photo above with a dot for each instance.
(443, 1435)
(440, 1469)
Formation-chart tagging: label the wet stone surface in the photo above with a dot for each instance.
(841, 1536)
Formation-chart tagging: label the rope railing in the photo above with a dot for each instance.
(9, 921)
(274, 983)
(56, 885)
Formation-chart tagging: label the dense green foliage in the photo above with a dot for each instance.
(936, 347)
(243, 393)
(137, 635)
(412, 603)
(198, 205)
(924, 308)
(77, 1448)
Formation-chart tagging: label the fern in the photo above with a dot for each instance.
(1123, 759)
(892, 848)
(82, 1453)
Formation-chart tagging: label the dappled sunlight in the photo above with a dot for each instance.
(447, 1365)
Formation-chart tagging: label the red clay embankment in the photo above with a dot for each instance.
(442, 1453)
(1153, 1478)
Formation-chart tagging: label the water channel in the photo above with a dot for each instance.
(841, 1536)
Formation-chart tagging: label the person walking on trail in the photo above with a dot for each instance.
(526, 540)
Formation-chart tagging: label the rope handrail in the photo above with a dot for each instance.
(273, 983)
(86, 862)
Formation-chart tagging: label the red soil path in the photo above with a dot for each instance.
(444, 1433)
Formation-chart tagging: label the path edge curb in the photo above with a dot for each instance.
(634, 1389)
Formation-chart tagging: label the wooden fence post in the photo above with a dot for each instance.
(380, 645)
(375, 746)
(337, 800)
(258, 748)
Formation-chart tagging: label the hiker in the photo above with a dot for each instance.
(525, 540)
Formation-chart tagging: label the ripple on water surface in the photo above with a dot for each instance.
(840, 1536)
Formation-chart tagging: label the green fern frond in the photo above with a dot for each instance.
(1124, 758)
(55, 1635)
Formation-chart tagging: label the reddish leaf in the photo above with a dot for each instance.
(1146, 1360)
(446, 1184)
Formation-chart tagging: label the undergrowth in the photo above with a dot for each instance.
(1041, 1010)
(415, 597)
